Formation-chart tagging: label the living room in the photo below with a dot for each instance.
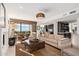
(51, 30)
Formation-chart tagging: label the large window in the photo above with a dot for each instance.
(17, 28)
(23, 27)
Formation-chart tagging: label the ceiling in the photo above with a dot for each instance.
(28, 11)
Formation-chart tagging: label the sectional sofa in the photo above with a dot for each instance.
(57, 41)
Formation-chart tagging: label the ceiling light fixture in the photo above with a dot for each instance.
(21, 7)
(40, 15)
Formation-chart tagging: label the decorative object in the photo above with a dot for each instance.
(12, 41)
(2, 15)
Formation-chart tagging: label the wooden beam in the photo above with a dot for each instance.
(22, 21)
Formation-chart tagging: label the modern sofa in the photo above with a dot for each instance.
(57, 41)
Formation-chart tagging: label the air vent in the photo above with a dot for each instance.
(72, 12)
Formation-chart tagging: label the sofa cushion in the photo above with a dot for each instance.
(52, 40)
(51, 36)
(46, 34)
(58, 37)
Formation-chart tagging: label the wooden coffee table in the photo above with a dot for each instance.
(33, 46)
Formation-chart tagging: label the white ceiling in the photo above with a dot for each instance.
(28, 11)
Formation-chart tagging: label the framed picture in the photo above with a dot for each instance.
(2, 16)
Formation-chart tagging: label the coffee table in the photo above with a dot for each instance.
(33, 46)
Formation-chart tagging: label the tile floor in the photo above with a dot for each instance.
(10, 51)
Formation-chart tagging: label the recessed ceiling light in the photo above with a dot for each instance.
(21, 7)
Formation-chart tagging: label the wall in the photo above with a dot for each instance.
(12, 26)
(78, 25)
(75, 40)
(55, 27)
(52, 22)
(75, 36)
(13, 23)
(3, 48)
(3, 31)
(0, 41)
(34, 27)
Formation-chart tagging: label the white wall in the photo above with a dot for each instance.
(78, 25)
(0, 41)
(3, 48)
(75, 40)
(55, 27)
(75, 36)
